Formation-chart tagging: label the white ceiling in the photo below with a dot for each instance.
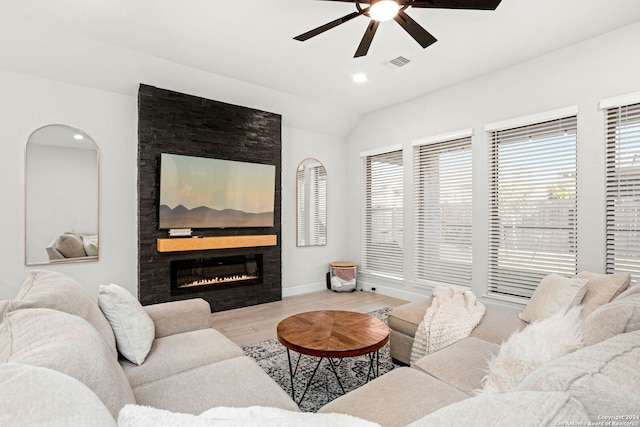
(252, 40)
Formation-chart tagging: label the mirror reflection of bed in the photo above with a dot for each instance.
(73, 246)
(61, 196)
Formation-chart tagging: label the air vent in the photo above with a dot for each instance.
(398, 62)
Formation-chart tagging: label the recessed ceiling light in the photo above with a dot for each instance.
(78, 136)
(360, 77)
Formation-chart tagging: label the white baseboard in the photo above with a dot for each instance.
(393, 292)
(397, 293)
(303, 289)
(382, 290)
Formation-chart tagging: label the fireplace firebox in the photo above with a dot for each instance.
(196, 275)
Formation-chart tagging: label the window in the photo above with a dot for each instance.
(382, 214)
(533, 205)
(443, 207)
(623, 190)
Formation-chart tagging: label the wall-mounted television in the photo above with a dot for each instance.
(199, 192)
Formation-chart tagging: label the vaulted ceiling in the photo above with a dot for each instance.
(252, 40)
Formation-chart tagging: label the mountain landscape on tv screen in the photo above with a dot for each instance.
(204, 217)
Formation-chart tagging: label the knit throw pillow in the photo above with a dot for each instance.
(524, 351)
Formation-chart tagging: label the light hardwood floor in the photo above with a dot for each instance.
(249, 325)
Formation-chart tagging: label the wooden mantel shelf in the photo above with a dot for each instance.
(178, 244)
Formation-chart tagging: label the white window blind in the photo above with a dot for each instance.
(623, 190)
(319, 210)
(443, 212)
(311, 205)
(301, 217)
(533, 205)
(382, 214)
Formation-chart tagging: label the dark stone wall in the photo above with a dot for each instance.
(171, 122)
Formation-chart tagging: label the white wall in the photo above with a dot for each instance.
(580, 75)
(304, 268)
(111, 120)
(51, 76)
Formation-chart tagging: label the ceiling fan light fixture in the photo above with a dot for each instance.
(383, 10)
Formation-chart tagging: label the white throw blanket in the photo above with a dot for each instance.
(451, 316)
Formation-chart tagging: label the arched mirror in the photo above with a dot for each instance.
(61, 196)
(311, 203)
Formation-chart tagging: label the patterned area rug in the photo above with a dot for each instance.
(272, 357)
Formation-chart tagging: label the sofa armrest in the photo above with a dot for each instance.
(175, 317)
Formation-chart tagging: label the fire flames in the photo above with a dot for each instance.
(214, 280)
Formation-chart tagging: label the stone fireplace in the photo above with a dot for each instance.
(171, 122)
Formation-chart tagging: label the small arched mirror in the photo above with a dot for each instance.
(311, 203)
(61, 196)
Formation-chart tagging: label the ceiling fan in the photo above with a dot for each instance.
(382, 10)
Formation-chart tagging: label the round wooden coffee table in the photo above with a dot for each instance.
(332, 334)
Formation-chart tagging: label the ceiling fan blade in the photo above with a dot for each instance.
(422, 36)
(363, 48)
(321, 29)
(453, 4)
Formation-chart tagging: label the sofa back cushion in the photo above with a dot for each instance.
(50, 289)
(554, 294)
(35, 396)
(68, 344)
(601, 288)
(617, 317)
(603, 377)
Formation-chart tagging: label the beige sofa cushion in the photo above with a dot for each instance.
(35, 396)
(178, 353)
(603, 377)
(50, 289)
(619, 316)
(553, 294)
(407, 317)
(462, 364)
(498, 322)
(522, 409)
(397, 398)
(133, 328)
(68, 344)
(236, 382)
(601, 288)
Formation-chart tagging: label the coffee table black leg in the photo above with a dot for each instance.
(333, 368)
(309, 382)
(293, 392)
(374, 366)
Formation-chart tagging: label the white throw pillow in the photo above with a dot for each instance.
(524, 351)
(554, 293)
(253, 416)
(132, 326)
(90, 244)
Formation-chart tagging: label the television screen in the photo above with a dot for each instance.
(198, 192)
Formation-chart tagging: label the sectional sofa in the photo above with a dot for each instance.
(59, 362)
(69, 360)
(571, 367)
